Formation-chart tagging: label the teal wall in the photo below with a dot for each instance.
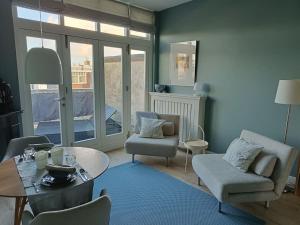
(8, 61)
(246, 47)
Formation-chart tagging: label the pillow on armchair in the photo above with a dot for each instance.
(241, 153)
(151, 128)
(139, 115)
(264, 164)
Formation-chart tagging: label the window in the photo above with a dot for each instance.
(79, 78)
(30, 14)
(112, 29)
(139, 34)
(80, 23)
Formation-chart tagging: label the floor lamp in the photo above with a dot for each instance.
(288, 93)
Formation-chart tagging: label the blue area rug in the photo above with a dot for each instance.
(142, 195)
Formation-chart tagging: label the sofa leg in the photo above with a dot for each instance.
(132, 158)
(167, 161)
(267, 204)
(199, 181)
(219, 207)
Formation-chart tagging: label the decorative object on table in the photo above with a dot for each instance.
(164, 147)
(201, 89)
(41, 159)
(196, 146)
(57, 155)
(288, 93)
(43, 65)
(229, 184)
(98, 214)
(183, 63)
(161, 88)
(70, 159)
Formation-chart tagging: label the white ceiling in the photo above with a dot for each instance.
(155, 5)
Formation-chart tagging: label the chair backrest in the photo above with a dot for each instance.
(171, 118)
(16, 146)
(96, 212)
(286, 155)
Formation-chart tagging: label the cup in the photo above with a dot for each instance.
(70, 159)
(41, 159)
(28, 153)
(57, 155)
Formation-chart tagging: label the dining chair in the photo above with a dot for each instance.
(16, 146)
(96, 212)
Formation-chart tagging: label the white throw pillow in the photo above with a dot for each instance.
(264, 164)
(139, 115)
(151, 128)
(241, 153)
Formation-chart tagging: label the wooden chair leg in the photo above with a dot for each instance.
(199, 181)
(132, 158)
(19, 208)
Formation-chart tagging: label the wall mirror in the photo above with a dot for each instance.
(183, 63)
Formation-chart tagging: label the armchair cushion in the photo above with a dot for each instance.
(166, 147)
(139, 115)
(264, 164)
(241, 153)
(168, 128)
(151, 128)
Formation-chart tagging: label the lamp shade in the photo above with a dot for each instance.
(43, 66)
(288, 92)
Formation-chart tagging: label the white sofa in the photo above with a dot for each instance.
(228, 184)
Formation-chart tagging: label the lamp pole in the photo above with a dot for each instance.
(287, 124)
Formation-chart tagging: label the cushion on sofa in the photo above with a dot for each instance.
(223, 179)
(166, 147)
(241, 153)
(151, 128)
(264, 164)
(139, 115)
(168, 128)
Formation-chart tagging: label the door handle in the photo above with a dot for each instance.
(60, 99)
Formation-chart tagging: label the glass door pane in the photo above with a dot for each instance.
(138, 83)
(45, 100)
(83, 94)
(113, 76)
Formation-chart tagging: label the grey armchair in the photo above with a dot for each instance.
(96, 212)
(228, 184)
(16, 146)
(165, 147)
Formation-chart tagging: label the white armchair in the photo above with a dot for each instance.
(96, 212)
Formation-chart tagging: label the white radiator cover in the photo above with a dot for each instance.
(190, 108)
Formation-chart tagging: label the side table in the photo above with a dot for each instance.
(196, 147)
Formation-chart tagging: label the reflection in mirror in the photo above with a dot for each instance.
(183, 63)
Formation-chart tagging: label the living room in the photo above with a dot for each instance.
(219, 76)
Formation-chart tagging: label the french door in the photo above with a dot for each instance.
(104, 84)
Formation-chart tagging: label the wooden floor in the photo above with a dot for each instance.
(285, 211)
